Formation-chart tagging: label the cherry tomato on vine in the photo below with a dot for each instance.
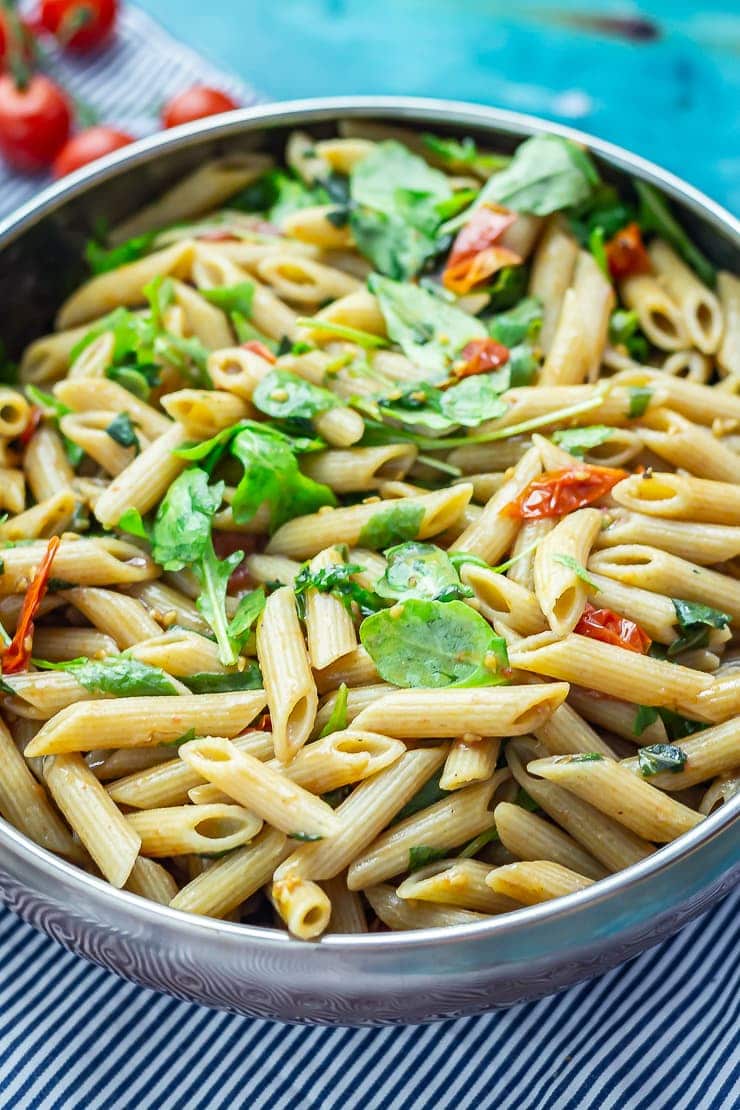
(196, 103)
(86, 146)
(78, 24)
(34, 122)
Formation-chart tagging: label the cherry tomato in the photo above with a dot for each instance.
(79, 24)
(561, 491)
(626, 254)
(476, 253)
(260, 349)
(34, 420)
(481, 355)
(196, 103)
(610, 628)
(86, 146)
(17, 655)
(34, 122)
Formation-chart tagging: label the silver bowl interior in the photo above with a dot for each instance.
(348, 979)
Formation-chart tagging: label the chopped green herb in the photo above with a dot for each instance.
(420, 570)
(57, 409)
(248, 610)
(585, 757)
(660, 757)
(121, 430)
(676, 726)
(471, 849)
(421, 855)
(102, 259)
(598, 249)
(184, 739)
(578, 569)
(639, 399)
(232, 298)
(205, 683)
(131, 521)
(463, 155)
(578, 441)
(338, 717)
(307, 838)
(285, 396)
(392, 524)
(337, 580)
(342, 331)
(624, 330)
(116, 674)
(520, 324)
(695, 622)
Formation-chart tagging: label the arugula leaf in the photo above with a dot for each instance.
(695, 622)
(420, 855)
(116, 674)
(546, 174)
(271, 474)
(660, 757)
(278, 193)
(389, 167)
(343, 331)
(578, 569)
(655, 215)
(182, 526)
(338, 717)
(603, 211)
(134, 380)
(639, 399)
(131, 521)
(598, 249)
(205, 683)
(624, 331)
(488, 836)
(433, 644)
(520, 324)
(429, 331)
(426, 796)
(463, 155)
(460, 558)
(102, 259)
(420, 570)
(676, 726)
(189, 734)
(586, 757)
(646, 715)
(508, 287)
(469, 403)
(57, 409)
(391, 524)
(577, 441)
(213, 575)
(232, 298)
(247, 611)
(338, 581)
(121, 430)
(286, 396)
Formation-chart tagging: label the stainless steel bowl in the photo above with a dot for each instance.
(415, 976)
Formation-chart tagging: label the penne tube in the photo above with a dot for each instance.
(701, 543)
(652, 611)
(179, 652)
(124, 619)
(47, 469)
(150, 880)
(493, 533)
(728, 355)
(93, 816)
(504, 599)
(96, 562)
(700, 310)
(89, 431)
(262, 789)
(237, 371)
(579, 339)
(145, 721)
(272, 568)
(722, 790)
(201, 829)
(303, 281)
(605, 839)
(107, 765)
(304, 907)
(355, 669)
(431, 513)
(660, 317)
(613, 715)
(359, 468)
(48, 518)
(48, 358)
(203, 412)
(357, 699)
(692, 365)
(714, 751)
(84, 395)
(561, 593)
(695, 402)
(231, 880)
(471, 759)
(552, 270)
(654, 570)
(680, 497)
(12, 489)
(311, 225)
(347, 909)
(58, 645)
(211, 269)
(363, 815)
(611, 670)
(448, 823)
(536, 881)
(403, 914)
(25, 803)
(145, 480)
(167, 605)
(40, 695)
(288, 680)
(340, 426)
(566, 733)
(330, 628)
(690, 446)
(611, 788)
(530, 837)
(448, 712)
(456, 882)
(202, 319)
(719, 701)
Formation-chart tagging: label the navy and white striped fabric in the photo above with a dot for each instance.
(660, 1033)
(125, 86)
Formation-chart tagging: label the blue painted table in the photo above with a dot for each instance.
(665, 83)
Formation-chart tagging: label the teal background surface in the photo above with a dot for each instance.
(662, 79)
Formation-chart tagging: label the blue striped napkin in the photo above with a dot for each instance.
(658, 1033)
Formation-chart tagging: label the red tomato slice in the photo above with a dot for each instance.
(626, 254)
(479, 356)
(260, 349)
(17, 655)
(561, 491)
(29, 431)
(475, 254)
(611, 628)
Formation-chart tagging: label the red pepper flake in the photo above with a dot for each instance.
(260, 349)
(17, 655)
(476, 253)
(561, 491)
(626, 254)
(611, 628)
(479, 356)
(34, 419)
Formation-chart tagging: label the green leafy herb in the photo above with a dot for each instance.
(121, 430)
(285, 396)
(305, 837)
(433, 644)
(391, 524)
(463, 155)
(278, 193)
(56, 409)
(135, 381)
(508, 287)
(131, 521)
(639, 399)
(420, 570)
(488, 836)
(524, 800)
(646, 716)
(603, 211)
(342, 331)
(546, 174)
(338, 717)
(420, 855)
(469, 403)
(460, 558)
(213, 576)
(182, 527)
(190, 734)
(624, 331)
(102, 259)
(206, 683)
(660, 757)
(337, 580)
(655, 215)
(248, 610)
(695, 622)
(676, 726)
(116, 674)
(578, 441)
(585, 757)
(335, 798)
(598, 249)
(232, 298)
(426, 796)
(578, 569)
(429, 331)
(520, 324)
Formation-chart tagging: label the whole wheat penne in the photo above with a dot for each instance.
(303, 905)
(347, 909)
(532, 838)
(494, 532)
(536, 881)
(690, 446)
(700, 310)
(619, 717)
(471, 759)
(289, 684)
(561, 593)
(456, 882)
(151, 880)
(714, 751)
(231, 880)
(504, 599)
(728, 291)
(329, 625)
(700, 542)
(402, 913)
(202, 829)
(565, 732)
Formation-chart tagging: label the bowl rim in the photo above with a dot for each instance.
(411, 110)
